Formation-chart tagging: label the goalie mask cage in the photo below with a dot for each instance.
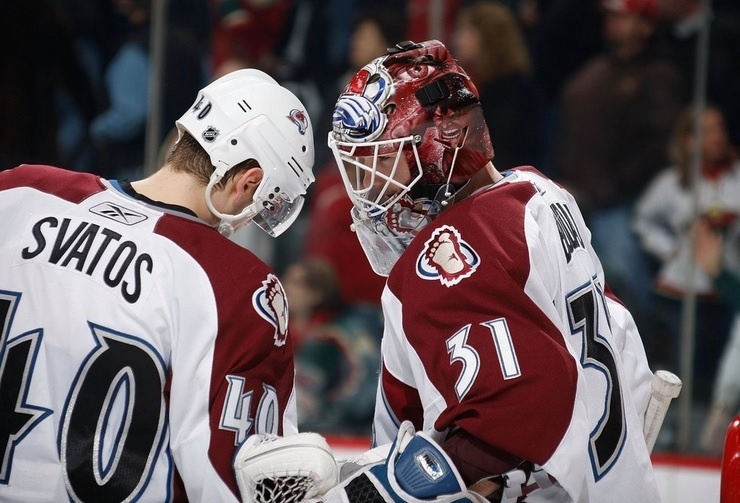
(730, 475)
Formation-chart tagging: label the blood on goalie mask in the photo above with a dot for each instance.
(407, 133)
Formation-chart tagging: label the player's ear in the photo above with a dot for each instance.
(246, 183)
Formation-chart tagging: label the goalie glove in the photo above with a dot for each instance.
(416, 470)
(273, 469)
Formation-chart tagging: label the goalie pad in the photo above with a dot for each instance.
(273, 469)
(416, 470)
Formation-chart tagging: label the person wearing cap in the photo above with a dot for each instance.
(616, 116)
(139, 345)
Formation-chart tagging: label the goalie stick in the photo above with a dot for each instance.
(665, 386)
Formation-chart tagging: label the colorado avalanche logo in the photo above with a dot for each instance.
(271, 304)
(300, 119)
(447, 258)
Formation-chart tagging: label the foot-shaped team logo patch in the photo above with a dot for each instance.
(271, 304)
(446, 257)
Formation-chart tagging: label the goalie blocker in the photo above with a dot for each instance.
(273, 469)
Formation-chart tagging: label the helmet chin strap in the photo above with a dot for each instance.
(446, 194)
(228, 223)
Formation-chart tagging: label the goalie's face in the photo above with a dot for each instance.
(374, 183)
(386, 217)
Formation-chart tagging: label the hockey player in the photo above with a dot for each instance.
(138, 345)
(502, 342)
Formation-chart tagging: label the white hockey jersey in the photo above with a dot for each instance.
(498, 320)
(138, 347)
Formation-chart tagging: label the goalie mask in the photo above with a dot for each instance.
(407, 133)
(245, 115)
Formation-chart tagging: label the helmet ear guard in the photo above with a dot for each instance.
(245, 115)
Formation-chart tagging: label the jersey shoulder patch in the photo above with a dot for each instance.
(271, 304)
(446, 257)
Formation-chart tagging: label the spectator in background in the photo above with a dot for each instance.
(664, 216)
(678, 39)
(431, 19)
(119, 131)
(313, 53)
(489, 43)
(329, 236)
(709, 253)
(374, 30)
(337, 353)
(617, 112)
(246, 33)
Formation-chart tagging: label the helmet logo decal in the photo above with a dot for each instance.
(358, 114)
(359, 82)
(300, 119)
(446, 257)
(357, 119)
(210, 134)
(271, 304)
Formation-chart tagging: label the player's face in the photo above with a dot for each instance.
(716, 145)
(387, 176)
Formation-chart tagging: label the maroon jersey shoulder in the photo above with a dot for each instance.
(236, 275)
(69, 185)
(488, 226)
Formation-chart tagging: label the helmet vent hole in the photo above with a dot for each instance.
(244, 106)
(233, 141)
(303, 148)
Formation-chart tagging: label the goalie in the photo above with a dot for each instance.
(502, 342)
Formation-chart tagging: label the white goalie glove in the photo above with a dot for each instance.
(296, 468)
(272, 469)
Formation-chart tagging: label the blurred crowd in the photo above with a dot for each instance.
(598, 94)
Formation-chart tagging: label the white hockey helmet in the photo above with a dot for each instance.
(244, 115)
